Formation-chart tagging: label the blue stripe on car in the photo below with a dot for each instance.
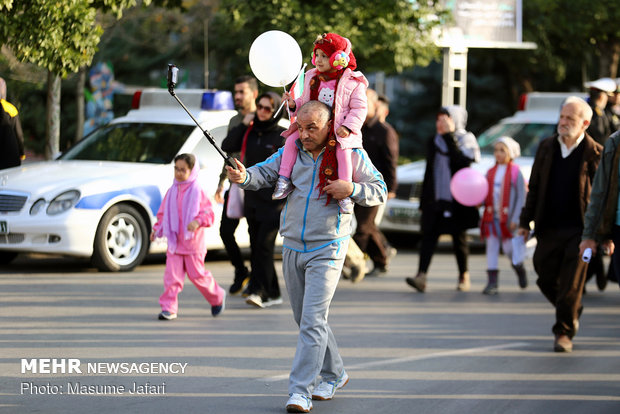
(149, 193)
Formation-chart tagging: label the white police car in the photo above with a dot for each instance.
(100, 198)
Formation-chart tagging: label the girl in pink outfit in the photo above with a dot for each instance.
(334, 82)
(182, 217)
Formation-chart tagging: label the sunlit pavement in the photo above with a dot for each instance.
(439, 352)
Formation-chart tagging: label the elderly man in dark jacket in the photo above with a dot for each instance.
(559, 192)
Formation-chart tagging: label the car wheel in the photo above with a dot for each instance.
(7, 257)
(121, 241)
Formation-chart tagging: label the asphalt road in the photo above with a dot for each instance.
(439, 352)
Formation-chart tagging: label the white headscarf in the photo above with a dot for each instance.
(514, 149)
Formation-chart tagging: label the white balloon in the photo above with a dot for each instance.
(275, 58)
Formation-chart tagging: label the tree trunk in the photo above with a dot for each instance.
(52, 116)
(609, 58)
(79, 104)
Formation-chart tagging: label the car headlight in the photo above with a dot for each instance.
(63, 202)
(37, 207)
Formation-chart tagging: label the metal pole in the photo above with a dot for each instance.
(206, 52)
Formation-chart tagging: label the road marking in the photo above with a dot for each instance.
(411, 358)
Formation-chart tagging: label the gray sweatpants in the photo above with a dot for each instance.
(311, 280)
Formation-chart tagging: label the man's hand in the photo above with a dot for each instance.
(391, 195)
(339, 189)
(587, 243)
(236, 176)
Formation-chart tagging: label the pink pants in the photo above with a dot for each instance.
(289, 155)
(174, 277)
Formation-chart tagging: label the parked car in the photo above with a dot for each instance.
(100, 198)
(535, 121)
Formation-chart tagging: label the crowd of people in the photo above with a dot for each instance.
(570, 200)
(337, 162)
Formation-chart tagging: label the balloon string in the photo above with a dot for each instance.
(281, 105)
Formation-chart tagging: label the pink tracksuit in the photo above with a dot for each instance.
(188, 255)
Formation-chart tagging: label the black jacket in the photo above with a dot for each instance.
(465, 217)
(533, 210)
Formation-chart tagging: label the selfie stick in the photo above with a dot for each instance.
(172, 81)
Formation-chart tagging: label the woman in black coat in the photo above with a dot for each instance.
(257, 138)
(451, 149)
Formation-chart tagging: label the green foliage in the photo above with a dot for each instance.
(574, 31)
(390, 35)
(143, 42)
(59, 36)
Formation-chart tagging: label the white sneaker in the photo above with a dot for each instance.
(255, 300)
(272, 302)
(167, 316)
(326, 389)
(298, 403)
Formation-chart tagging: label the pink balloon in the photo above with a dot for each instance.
(469, 187)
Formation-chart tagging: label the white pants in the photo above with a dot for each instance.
(493, 249)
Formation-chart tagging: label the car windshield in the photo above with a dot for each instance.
(131, 142)
(527, 135)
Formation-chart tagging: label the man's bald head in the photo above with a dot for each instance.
(323, 112)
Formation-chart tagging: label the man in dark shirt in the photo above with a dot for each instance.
(559, 192)
(245, 94)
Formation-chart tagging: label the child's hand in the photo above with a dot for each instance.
(343, 132)
(513, 226)
(152, 235)
(289, 100)
(193, 225)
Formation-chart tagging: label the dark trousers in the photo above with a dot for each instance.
(435, 224)
(227, 234)
(561, 275)
(263, 229)
(368, 236)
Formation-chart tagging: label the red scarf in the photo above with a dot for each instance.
(486, 225)
(329, 164)
(244, 143)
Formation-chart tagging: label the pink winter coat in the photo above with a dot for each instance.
(350, 106)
